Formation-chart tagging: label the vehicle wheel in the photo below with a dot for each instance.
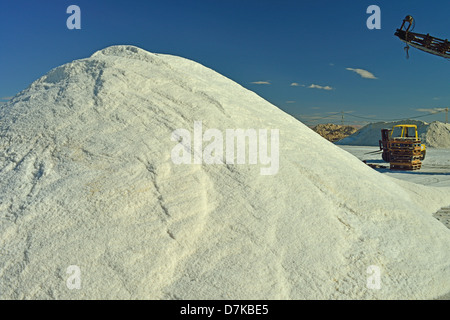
(422, 156)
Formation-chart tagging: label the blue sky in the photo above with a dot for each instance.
(266, 46)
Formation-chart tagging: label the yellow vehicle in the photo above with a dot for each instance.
(402, 147)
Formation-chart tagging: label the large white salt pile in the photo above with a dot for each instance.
(434, 135)
(438, 135)
(93, 207)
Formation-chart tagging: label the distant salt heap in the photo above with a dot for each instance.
(434, 135)
(86, 180)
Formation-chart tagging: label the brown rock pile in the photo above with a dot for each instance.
(334, 132)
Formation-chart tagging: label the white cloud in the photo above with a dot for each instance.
(295, 84)
(432, 110)
(316, 86)
(363, 73)
(261, 82)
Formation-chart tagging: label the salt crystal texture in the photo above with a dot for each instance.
(86, 180)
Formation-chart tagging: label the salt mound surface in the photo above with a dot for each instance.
(438, 135)
(87, 180)
(434, 135)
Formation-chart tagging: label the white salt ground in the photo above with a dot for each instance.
(86, 179)
(435, 169)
